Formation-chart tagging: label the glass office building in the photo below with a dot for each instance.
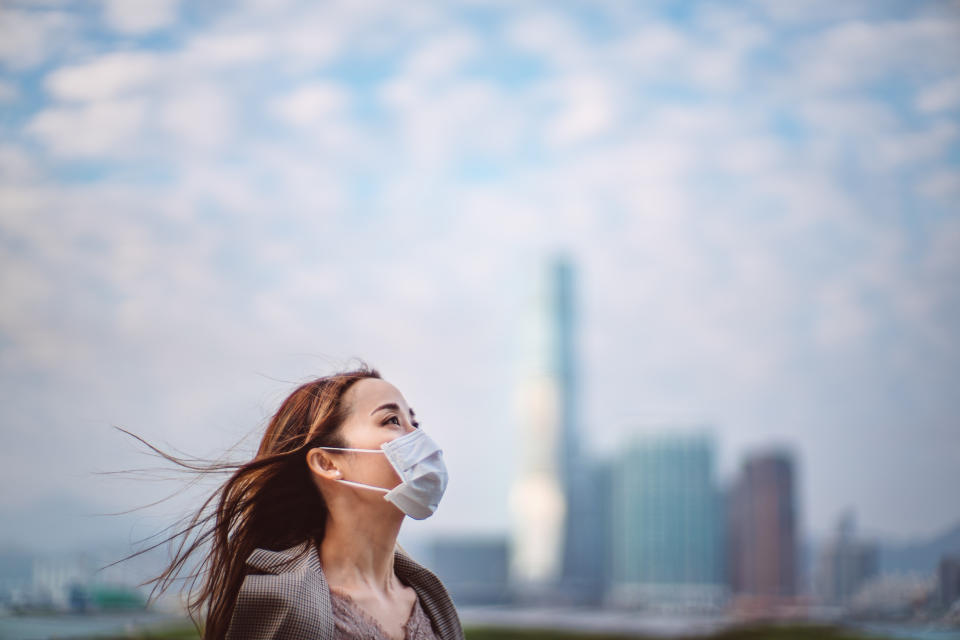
(666, 532)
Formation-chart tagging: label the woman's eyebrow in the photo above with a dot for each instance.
(391, 405)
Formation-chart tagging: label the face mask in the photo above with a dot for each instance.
(423, 477)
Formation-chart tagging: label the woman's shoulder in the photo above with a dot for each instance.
(282, 576)
(281, 597)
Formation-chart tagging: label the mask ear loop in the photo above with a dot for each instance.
(351, 482)
(364, 486)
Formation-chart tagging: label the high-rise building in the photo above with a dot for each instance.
(587, 552)
(844, 563)
(546, 402)
(762, 536)
(666, 525)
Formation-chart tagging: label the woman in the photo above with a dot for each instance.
(303, 540)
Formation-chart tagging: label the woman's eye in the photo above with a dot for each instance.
(396, 420)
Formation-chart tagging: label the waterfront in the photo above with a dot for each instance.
(502, 623)
(594, 622)
(906, 632)
(585, 620)
(78, 625)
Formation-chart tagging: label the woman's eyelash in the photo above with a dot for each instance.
(416, 425)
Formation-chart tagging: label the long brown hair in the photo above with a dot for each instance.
(269, 502)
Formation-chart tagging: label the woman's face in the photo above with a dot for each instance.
(379, 414)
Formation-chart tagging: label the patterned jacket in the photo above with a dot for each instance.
(293, 602)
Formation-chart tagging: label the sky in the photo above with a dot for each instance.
(203, 205)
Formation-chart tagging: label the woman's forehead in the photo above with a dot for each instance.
(370, 393)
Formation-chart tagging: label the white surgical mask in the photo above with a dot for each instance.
(423, 476)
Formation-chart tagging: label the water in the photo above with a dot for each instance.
(594, 620)
(660, 625)
(883, 630)
(80, 625)
(664, 626)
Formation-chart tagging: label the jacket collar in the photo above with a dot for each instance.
(286, 560)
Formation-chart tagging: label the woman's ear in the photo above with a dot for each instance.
(321, 465)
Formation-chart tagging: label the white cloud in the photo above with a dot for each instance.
(438, 125)
(943, 185)
(321, 114)
(942, 96)
(316, 103)
(857, 52)
(31, 37)
(441, 56)
(311, 43)
(716, 69)
(911, 148)
(553, 36)
(943, 258)
(16, 166)
(140, 16)
(109, 76)
(99, 128)
(751, 156)
(587, 110)
(840, 316)
(724, 269)
(649, 47)
(200, 117)
(427, 69)
(816, 11)
(841, 117)
(230, 48)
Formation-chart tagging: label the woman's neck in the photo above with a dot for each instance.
(357, 551)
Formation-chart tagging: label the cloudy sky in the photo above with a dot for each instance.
(201, 207)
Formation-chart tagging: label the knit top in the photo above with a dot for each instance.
(352, 622)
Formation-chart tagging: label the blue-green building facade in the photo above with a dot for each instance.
(666, 533)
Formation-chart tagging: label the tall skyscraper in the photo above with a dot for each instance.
(762, 528)
(549, 449)
(666, 530)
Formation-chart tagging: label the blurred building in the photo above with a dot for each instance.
(666, 524)
(474, 570)
(56, 576)
(845, 564)
(67, 581)
(549, 448)
(893, 597)
(948, 582)
(16, 572)
(762, 536)
(588, 555)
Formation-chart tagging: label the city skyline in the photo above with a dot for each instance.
(202, 206)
